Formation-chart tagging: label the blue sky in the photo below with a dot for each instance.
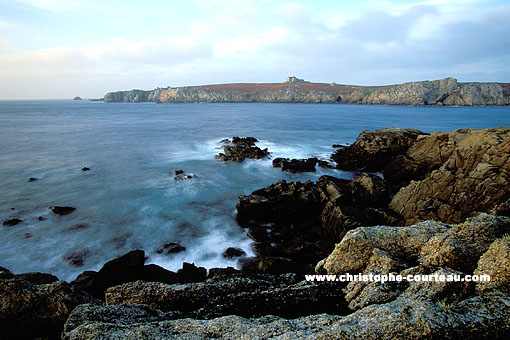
(63, 48)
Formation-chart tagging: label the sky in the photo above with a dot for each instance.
(52, 49)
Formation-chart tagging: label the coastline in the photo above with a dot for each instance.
(333, 211)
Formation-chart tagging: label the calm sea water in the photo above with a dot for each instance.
(128, 200)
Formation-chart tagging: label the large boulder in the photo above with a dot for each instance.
(296, 165)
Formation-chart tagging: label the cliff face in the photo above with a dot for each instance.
(437, 92)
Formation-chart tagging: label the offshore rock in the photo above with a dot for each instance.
(31, 311)
(57, 210)
(296, 165)
(12, 222)
(240, 149)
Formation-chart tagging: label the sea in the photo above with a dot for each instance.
(130, 200)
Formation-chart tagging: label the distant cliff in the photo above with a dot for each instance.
(437, 92)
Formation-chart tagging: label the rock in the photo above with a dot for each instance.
(236, 294)
(41, 218)
(295, 165)
(232, 252)
(458, 248)
(85, 169)
(475, 318)
(57, 210)
(77, 98)
(77, 258)
(242, 148)
(12, 222)
(32, 179)
(219, 273)
(469, 171)
(353, 253)
(372, 151)
(30, 311)
(155, 273)
(126, 268)
(38, 278)
(191, 273)
(180, 175)
(305, 219)
(496, 263)
(325, 165)
(170, 248)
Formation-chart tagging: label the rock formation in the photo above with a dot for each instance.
(241, 148)
(437, 92)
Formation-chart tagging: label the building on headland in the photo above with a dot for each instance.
(293, 79)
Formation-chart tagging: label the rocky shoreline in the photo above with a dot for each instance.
(446, 91)
(441, 209)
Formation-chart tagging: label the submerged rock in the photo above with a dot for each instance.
(232, 252)
(32, 179)
(170, 248)
(85, 169)
(240, 149)
(60, 210)
(12, 222)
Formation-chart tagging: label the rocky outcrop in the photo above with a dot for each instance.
(58, 210)
(12, 222)
(302, 221)
(241, 148)
(29, 311)
(372, 151)
(428, 248)
(444, 176)
(437, 92)
(467, 172)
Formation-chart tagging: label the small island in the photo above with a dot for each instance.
(77, 98)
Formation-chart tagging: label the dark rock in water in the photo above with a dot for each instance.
(32, 179)
(41, 218)
(225, 141)
(12, 222)
(77, 98)
(38, 278)
(232, 252)
(77, 259)
(240, 149)
(85, 169)
(337, 146)
(191, 273)
(33, 311)
(58, 210)
(373, 150)
(27, 235)
(79, 226)
(180, 174)
(170, 248)
(295, 165)
(325, 165)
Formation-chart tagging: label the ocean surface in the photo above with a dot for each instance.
(129, 201)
